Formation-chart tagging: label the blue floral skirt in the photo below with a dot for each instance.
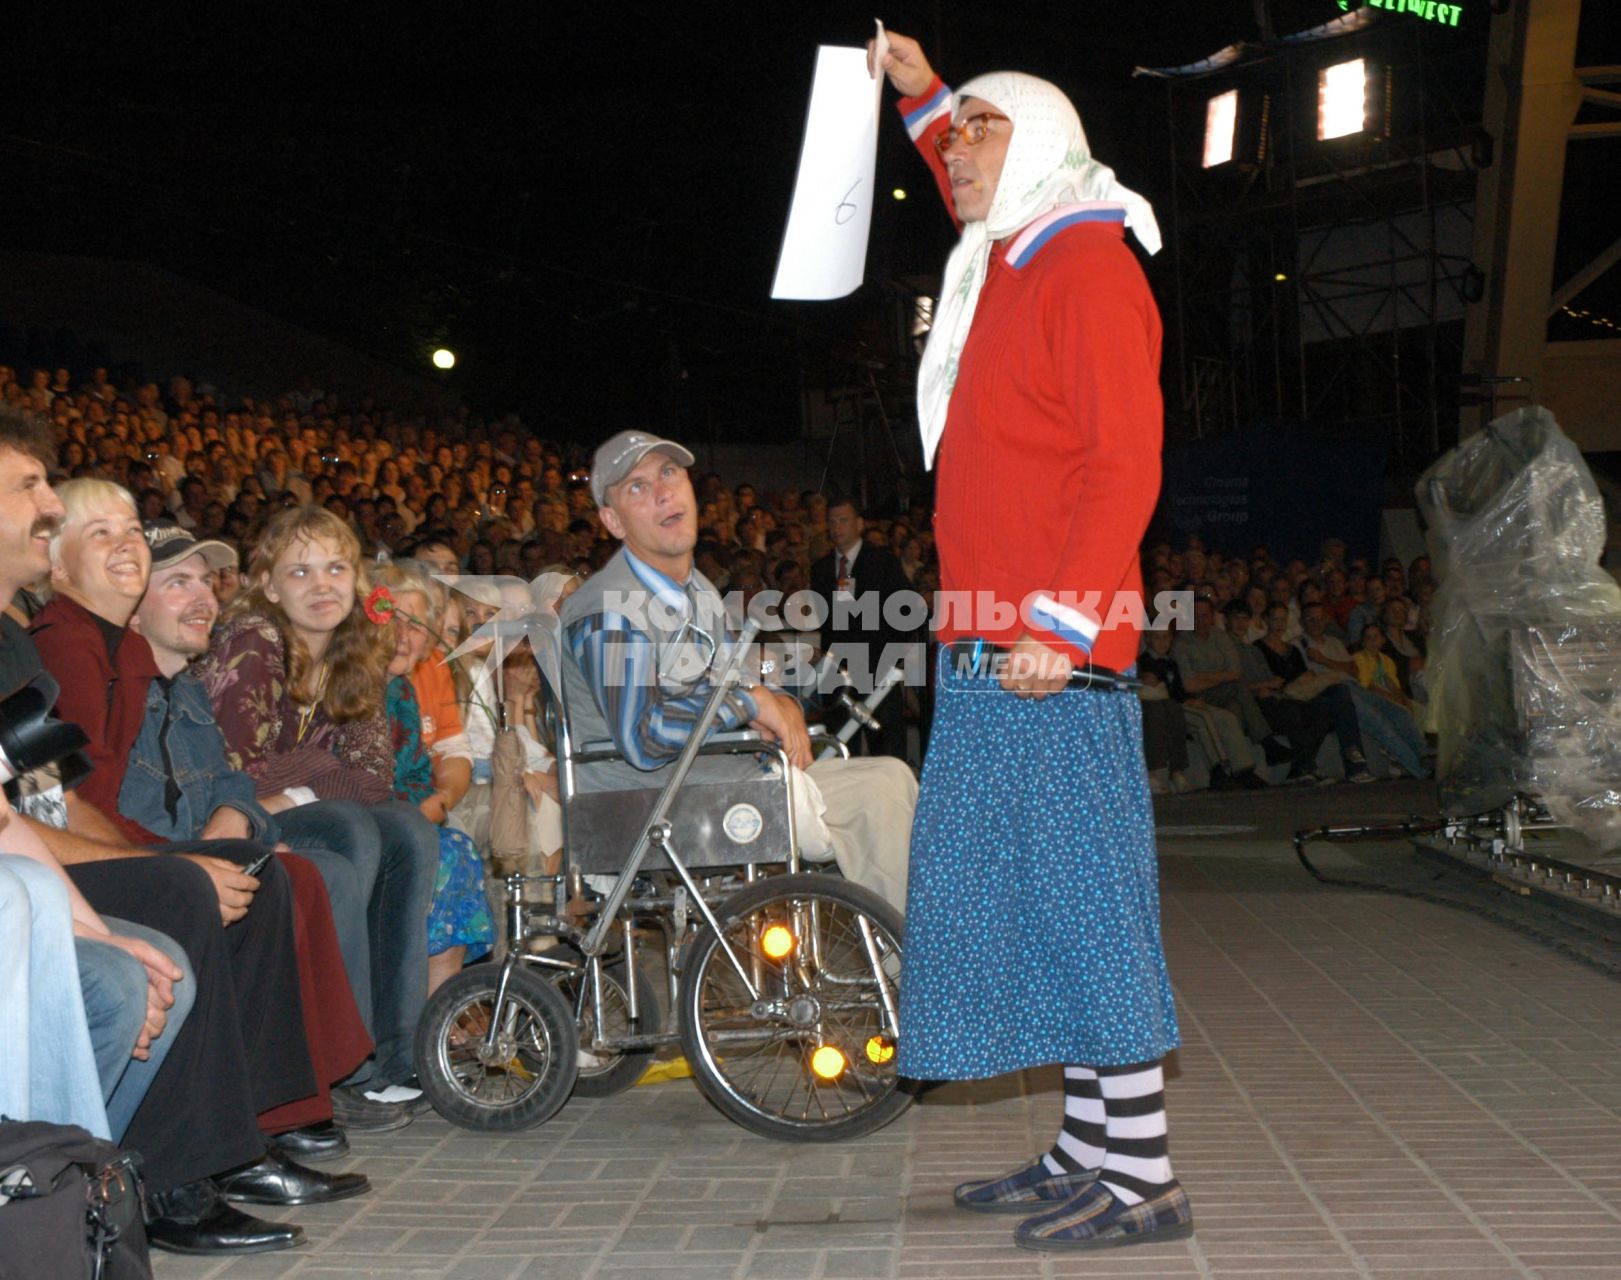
(1032, 913)
(460, 915)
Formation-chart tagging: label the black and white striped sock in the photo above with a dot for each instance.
(1136, 1160)
(1080, 1141)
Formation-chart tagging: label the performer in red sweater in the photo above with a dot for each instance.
(1033, 908)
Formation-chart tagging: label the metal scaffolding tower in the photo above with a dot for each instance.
(1325, 281)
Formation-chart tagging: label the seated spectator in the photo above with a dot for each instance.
(1376, 671)
(1257, 597)
(1380, 721)
(134, 991)
(178, 786)
(1404, 649)
(51, 1067)
(96, 563)
(1372, 604)
(512, 679)
(197, 1117)
(1212, 669)
(1300, 685)
(1219, 732)
(48, 1071)
(433, 770)
(295, 675)
(1298, 729)
(622, 676)
(1282, 592)
(1165, 733)
(1243, 625)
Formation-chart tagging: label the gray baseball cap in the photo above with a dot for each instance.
(617, 457)
(171, 543)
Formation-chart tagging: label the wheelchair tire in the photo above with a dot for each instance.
(533, 1070)
(611, 1073)
(756, 1066)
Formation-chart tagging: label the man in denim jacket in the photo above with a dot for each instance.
(178, 781)
(179, 786)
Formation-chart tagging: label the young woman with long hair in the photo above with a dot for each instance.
(296, 677)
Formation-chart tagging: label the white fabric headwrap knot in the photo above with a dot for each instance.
(1048, 164)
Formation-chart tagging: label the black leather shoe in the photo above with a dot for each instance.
(279, 1181)
(357, 1113)
(193, 1219)
(312, 1144)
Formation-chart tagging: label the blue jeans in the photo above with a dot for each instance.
(342, 840)
(105, 975)
(379, 864)
(1392, 727)
(48, 1065)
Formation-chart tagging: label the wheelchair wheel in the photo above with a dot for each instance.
(605, 1072)
(813, 1058)
(528, 1074)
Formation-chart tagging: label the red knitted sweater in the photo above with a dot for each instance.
(1049, 467)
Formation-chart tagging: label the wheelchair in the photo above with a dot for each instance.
(782, 983)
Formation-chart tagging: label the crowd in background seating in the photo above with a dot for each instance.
(497, 499)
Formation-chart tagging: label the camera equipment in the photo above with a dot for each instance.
(29, 737)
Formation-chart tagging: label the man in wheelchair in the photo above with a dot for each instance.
(642, 638)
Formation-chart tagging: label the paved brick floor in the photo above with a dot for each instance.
(1371, 1086)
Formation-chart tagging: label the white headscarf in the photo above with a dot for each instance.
(1048, 164)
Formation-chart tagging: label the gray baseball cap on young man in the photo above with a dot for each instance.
(171, 543)
(617, 458)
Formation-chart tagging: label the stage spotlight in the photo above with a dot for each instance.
(1220, 128)
(444, 358)
(1342, 100)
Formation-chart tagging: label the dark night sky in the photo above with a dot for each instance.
(580, 201)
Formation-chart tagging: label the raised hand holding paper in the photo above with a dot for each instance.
(824, 250)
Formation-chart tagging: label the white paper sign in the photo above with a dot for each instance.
(824, 250)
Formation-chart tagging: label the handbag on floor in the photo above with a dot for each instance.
(70, 1206)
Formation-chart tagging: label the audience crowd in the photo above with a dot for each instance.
(276, 852)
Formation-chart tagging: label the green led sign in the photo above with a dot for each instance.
(1445, 15)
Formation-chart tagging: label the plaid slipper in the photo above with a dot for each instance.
(1022, 1190)
(1096, 1220)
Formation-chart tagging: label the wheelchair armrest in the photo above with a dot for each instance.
(734, 736)
(734, 742)
(821, 738)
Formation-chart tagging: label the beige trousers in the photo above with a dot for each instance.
(858, 813)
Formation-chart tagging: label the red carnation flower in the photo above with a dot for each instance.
(380, 606)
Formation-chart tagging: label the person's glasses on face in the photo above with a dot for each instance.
(971, 131)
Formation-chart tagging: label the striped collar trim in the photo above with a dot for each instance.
(1029, 242)
(666, 590)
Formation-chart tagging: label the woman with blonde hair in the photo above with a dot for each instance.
(296, 676)
(433, 770)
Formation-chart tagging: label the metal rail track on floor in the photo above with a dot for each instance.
(1494, 842)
